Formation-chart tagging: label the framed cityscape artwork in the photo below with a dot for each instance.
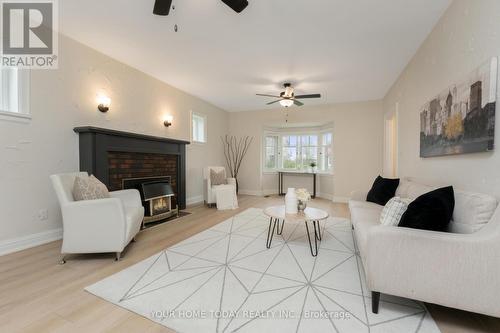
(461, 120)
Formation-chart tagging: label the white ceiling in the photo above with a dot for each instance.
(347, 50)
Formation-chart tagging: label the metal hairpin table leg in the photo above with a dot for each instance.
(318, 234)
(313, 253)
(279, 231)
(270, 233)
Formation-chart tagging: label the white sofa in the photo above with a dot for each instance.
(458, 269)
(209, 193)
(97, 226)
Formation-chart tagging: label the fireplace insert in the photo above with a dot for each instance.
(156, 195)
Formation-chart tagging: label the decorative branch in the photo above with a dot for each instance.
(235, 150)
(226, 154)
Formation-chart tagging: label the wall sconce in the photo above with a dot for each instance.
(103, 103)
(167, 121)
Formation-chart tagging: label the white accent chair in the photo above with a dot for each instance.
(97, 226)
(459, 268)
(209, 191)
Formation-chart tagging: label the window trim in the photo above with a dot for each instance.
(205, 127)
(281, 147)
(24, 79)
(322, 145)
(276, 148)
(281, 133)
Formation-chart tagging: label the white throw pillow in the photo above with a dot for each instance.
(89, 188)
(393, 210)
(217, 178)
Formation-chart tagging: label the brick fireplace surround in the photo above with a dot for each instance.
(140, 165)
(124, 165)
(114, 155)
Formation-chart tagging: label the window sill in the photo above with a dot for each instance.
(14, 116)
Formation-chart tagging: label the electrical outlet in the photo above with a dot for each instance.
(43, 214)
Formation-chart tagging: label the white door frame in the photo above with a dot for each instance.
(390, 159)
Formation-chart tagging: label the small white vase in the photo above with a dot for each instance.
(291, 201)
(301, 207)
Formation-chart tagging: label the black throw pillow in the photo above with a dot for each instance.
(430, 211)
(383, 190)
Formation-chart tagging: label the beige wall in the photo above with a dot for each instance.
(357, 149)
(65, 98)
(465, 37)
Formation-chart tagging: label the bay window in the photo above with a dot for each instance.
(298, 151)
(326, 151)
(309, 151)
(271, 152)
(289, 152)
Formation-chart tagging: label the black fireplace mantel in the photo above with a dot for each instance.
(95, 143)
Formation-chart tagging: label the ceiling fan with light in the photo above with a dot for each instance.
(162, 7)
(288, 98)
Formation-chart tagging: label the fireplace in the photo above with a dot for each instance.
(157, 197)
(136, 168)
(160, 206)
(114, 156)
(158, 194)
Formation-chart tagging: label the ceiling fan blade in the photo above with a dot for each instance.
(309, 96)
(236, 5)
(266, 95)
(276, 101)
(298, 103)
(162, 7)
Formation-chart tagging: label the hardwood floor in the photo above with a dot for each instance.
(38, 295)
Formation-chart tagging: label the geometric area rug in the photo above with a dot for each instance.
(224, 279)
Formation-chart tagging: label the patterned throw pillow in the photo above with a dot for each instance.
(393, 210)
(89, 188)
(217, 178)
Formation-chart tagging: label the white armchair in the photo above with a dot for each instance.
(209, 190)
(97, 226)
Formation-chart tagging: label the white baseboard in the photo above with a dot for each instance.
(258, 193)
(251, 192)
(269, 192)
(326, 196)
(194, 200)
(340, 199)
(25, 242)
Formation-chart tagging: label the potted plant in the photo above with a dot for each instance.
(313, 166)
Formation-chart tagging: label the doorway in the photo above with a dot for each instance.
(391, 143)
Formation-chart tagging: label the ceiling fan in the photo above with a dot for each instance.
(288, 98)
(162, 7)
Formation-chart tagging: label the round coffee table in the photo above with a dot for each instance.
(277, 216)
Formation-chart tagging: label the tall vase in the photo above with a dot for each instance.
(291, 201)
